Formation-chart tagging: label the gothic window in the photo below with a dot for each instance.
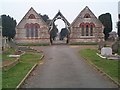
(27, 30)
(82, 30)
(32, 30)
(31, 16)
(92, 25)
(87, 30)
(87, 15)
(91, 30)
(36, 29)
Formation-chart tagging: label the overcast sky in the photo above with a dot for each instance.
(69, 8)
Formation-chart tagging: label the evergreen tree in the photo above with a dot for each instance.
(118, 25)
(8, 27)
(63, 33)
(106, 20)
(54, 31)
(44, 17)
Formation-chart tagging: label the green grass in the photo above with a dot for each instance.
(0, 57)
(33, 44)
(119, 51)
(13, 76)
(7, 52)
(108, 66)
(84, 43)
(0, 71)
(31, 57)
(0, 78)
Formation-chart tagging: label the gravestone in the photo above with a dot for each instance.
(115, 46)
(106, 51)
(101, 44)
(4, 43)
(12, 44)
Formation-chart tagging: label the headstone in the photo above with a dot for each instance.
(14, 56)
(101, 44)
(106, 51)
(116, 46)
(12, 44)
(4, 43)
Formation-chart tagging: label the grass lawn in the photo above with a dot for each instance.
(0, 72)
(84, 43)
(8, 52)
(13, 76)
(31, 57)
(0, 78)
(33, 44)
(119, 51)
(0, 57)
(108, 66)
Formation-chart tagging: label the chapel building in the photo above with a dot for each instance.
(85, 28)
(32, 29)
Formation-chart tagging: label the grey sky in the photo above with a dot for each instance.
(69, 8)
(119, 7)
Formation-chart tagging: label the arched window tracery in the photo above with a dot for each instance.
(87, 15)
(87, 29)
(32, 30)
(31, 16)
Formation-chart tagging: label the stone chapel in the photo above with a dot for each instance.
(86, 27)
(33, 29)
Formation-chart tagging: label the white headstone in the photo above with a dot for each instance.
(15, 56)
(107, 51)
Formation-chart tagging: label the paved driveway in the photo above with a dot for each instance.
(63, 68)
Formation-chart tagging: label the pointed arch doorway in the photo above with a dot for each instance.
(59, 36)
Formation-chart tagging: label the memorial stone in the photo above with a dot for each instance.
(106, 51)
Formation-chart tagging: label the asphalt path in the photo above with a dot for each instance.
(63, 68)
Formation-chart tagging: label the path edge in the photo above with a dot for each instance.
(100, 71)
(27, 75)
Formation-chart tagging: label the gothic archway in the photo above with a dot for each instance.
(52, 26)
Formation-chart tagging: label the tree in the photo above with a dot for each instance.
(63, 33)
(119, 16)
(8, 27)
(106, 20)
(54, 32)
(118, 26)
(45, 17)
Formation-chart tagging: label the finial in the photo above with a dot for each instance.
(59, 10)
